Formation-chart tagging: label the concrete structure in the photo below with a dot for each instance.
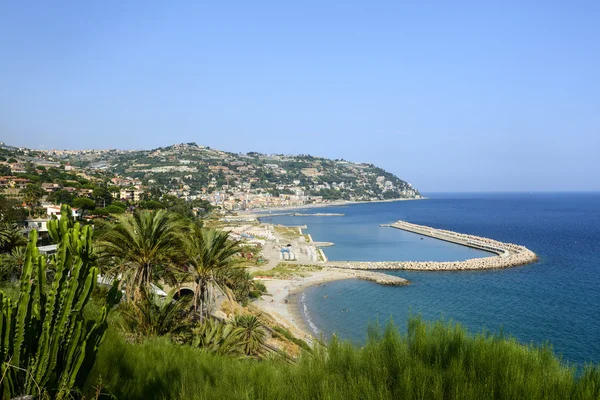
(39, 224)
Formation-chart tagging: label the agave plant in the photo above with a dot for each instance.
(217, 338)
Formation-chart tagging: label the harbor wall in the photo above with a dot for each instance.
(505, 254)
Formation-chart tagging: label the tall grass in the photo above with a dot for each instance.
(431, 361)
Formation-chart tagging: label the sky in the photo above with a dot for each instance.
(448, 95)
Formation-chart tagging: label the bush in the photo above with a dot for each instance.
(113, 209)
(100, 211)
(431, 361)
(288, 335)
(119, 204)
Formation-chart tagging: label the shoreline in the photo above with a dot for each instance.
(290, 314)
(285, 301)
(284, 305)
(339, 203)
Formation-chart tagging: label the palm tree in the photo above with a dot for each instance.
(17, 258)
(210, 253)
(242, 335)
(142, 243)
(151, 316)
(249, 329)
(10, 237)
(32, 195)
(238, 280)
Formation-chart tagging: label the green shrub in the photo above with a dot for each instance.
(430, 361)
(288, 335)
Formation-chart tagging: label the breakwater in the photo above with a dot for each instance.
(506, 254)
(380, 278)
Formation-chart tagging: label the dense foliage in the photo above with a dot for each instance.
(430, 361)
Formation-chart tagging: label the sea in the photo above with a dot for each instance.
(555, 301)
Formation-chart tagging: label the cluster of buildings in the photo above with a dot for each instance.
(227, 180)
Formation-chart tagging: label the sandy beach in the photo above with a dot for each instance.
(281, 301)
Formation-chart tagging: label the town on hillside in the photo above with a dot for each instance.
(186, 177)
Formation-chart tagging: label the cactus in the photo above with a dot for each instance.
(46, 343)
(58, 227)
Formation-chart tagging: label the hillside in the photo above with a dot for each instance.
(191, 171)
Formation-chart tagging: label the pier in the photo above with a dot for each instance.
(505, 254)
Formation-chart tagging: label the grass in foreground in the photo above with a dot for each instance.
(431, 361)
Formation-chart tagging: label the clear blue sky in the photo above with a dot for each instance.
(449, 95)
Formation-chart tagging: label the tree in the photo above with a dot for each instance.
(114, 190)
(61, 196)
(102, 196)
(151, 316)
(84, 204)
(179, 206)
(32, 195)
(119, 204)
(10, 237)
(209, 252)
(113, 209)
(252, 336)
(139, 244)
(15, 260)
(152, 205)
(217, 338)
(11, 210)
(242, 335)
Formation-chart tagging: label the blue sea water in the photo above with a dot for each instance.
(555, 300)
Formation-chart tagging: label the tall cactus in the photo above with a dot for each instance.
(58, 227)
(46, 343)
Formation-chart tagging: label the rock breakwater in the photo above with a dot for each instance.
(507, 254)
(378, 277)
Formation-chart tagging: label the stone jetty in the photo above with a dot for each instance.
(506, 254)
(378, 277)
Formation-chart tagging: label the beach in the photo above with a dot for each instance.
(282, 303)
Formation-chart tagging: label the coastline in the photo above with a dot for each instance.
(289, 313)
(284, 302)
(339, 203)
